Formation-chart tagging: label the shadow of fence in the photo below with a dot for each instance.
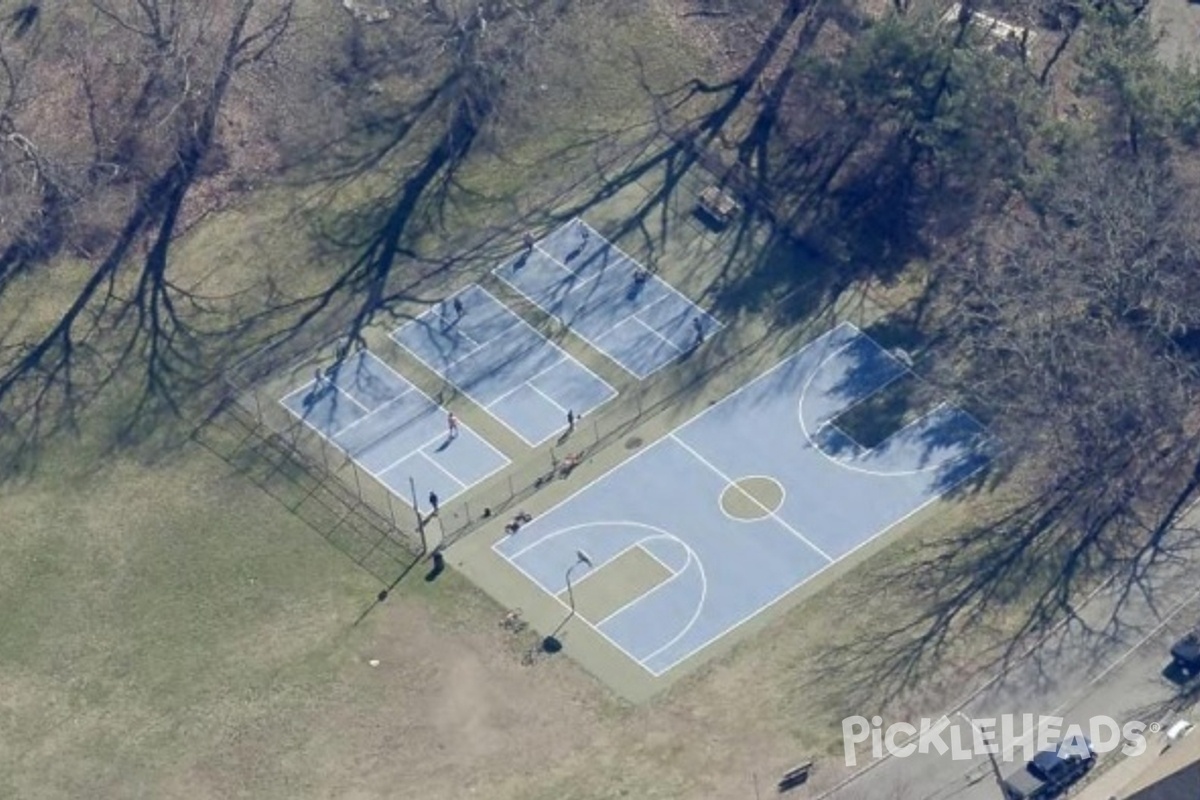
(313, 494)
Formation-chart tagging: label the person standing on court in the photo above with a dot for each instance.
(699, 329)
(458, 307)
(452, 424)
(571, 420)
(528, 241)
(433, 501)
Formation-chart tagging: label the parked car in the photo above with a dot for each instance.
(1179, 730)
(1185, 654)
(1051, 771)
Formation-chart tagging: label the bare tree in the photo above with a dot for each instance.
(163, 132)
(1071, 331)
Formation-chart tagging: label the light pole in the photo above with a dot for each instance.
(991, 756)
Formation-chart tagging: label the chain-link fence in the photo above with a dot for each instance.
(276, 462)
(254, 411)
(256, 385)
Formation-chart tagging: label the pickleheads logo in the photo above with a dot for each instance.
(1009, 737)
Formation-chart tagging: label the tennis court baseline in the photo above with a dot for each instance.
(392, 429)
(503, 364)
(608, 299)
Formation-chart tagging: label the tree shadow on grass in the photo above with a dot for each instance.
(157, 329)
(1023, 575)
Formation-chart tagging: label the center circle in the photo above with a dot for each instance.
(752, 497)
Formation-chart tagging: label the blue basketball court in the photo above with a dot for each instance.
(746, 502)
(586, 283)
(392, 429)
(503, 364)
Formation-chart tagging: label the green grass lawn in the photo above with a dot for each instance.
(147, 607)
(171, 630)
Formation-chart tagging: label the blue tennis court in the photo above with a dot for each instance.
(747, 501)
(587, 283)
(392, 429)
(502, 363)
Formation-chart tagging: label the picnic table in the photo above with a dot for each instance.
(719, 204)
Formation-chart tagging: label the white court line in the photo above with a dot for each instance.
(563, 354)
(394, 336)
(669, 287)
(662, 563)
(447, 321)
(581, 281)
(542, 342)
(593, 570)
(624, 607)
(699, 415)
(504, 461)
(501, 310)
(730, 482)
(621, 254)
(349, 396)
(656, 533)
(441, 437)
(695, 418)
(732, 627)
(548, 398)
(478, 344)
(447, 324)
(370, 414)
(911, 371)
(432, 463)
(476, 400)
(778, 365)
(847, 464)
(296, 391)
(613, 643)
(505, 395)
(829, 423)
(442, 408)
(569, 327)
(691, 623)
(670, 344)
(648, 306)
(771, 478)
(334, 386)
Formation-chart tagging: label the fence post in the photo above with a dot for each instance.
(412, 485)
(357, 484)
(325, 459)
(391, 509)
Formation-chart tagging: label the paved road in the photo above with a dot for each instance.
(1076, 675)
